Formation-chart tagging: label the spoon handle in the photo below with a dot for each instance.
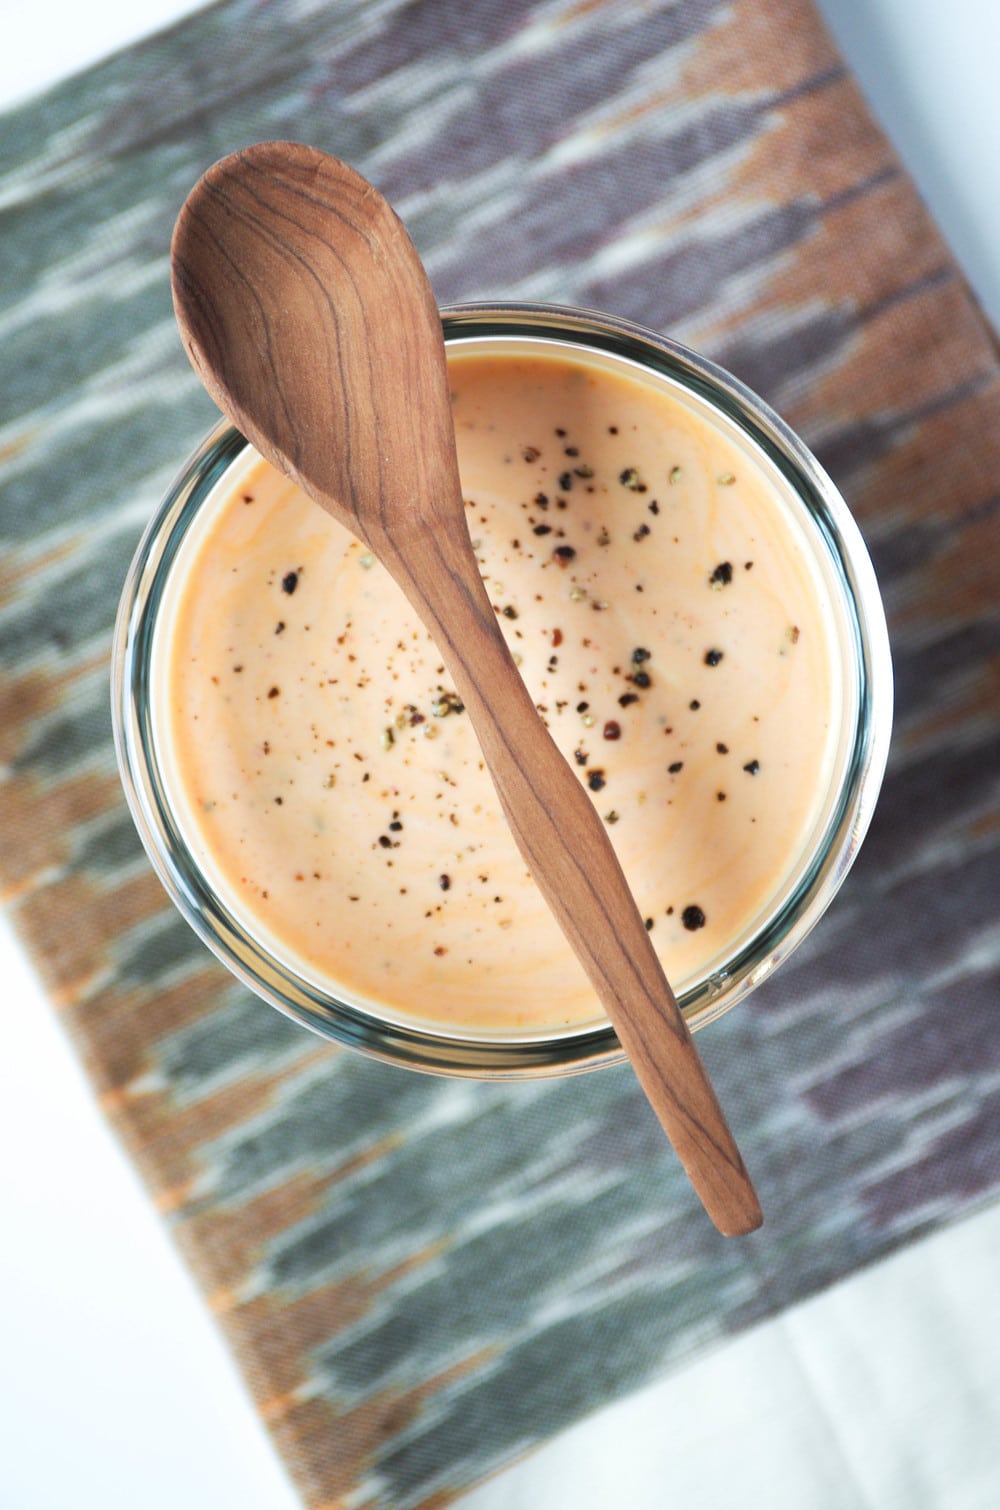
(565, 844)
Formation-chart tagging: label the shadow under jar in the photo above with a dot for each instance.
(694, 611)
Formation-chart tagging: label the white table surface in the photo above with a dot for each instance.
(116, 1389)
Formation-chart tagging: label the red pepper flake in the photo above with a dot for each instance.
(557, 637)
(248, 498)
(290, 582)
(612, 729)
(439, 950)
(693, 918)
(713, 657)
(564, 553)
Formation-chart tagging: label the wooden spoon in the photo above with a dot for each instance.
(308, 316)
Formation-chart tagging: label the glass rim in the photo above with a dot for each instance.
(572, 1050)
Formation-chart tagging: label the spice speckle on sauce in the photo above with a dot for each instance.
(389, 806)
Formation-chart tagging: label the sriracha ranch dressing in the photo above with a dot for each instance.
(660, 595)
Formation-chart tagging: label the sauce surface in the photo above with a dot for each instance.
(660, 599)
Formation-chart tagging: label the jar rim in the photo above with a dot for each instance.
(573, 1050)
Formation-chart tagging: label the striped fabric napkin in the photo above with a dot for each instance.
(420, 1278)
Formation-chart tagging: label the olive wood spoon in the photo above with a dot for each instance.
(309, 318)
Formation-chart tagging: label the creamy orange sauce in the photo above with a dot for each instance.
(659, 596)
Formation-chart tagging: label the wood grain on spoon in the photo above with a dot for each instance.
(310, 320)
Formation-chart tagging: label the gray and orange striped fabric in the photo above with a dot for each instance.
(420, 1278)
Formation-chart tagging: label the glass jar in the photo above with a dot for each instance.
(840, 557)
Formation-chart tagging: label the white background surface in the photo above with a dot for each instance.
(115, 1390)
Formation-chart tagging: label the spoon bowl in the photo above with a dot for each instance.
(309, 318)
